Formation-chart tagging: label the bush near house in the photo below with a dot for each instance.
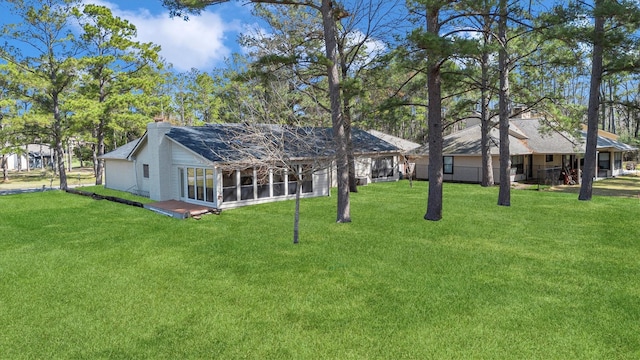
(548, 277)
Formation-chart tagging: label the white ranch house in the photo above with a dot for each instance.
(191, 164)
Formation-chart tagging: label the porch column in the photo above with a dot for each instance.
(579, 170)
(217, 186)
(255, 183)
(597, 165)
(270, 182)
(286, 182)
(238, 185)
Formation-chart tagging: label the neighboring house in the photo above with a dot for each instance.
(191, 164)
(402, 144)
(32, 156)
(545, 156)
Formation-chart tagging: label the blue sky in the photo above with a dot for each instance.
(203, 42)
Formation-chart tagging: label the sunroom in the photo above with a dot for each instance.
(228, 188)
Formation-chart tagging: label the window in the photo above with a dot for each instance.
(246, 184)
(617, 160)
(307, 178)
(305, 174)
(278, 184)
(263, 182)
(191, 183)
(549, 158)
(145, 171)
(209, 185)
(604, 161)
(517, 163)
(293, 180)
(447, 164)
(382, 167)
(200, 184)
(229, 186)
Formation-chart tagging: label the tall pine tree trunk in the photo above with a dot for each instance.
(26, 151)
(57, 135)
(434, 122)
(99, 163)
(485, 117)
(346, 111)
(296, 216)
(589, 170)
(504, 195)
(5, 168)
(353, 183)
(337, 120)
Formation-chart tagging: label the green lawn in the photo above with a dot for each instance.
(550, 277)
(37, 178)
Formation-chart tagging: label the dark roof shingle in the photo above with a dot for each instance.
(233, 142)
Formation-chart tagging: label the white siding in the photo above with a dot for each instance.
(321, 183)
(142, 157)
(421, 169)
(119, 175)
(15, 162)
(184, 157)
(465, 169)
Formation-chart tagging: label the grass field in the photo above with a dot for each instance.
(38, 178)
(550, 277)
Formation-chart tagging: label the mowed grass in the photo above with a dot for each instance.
(550, 277)
(37, 178)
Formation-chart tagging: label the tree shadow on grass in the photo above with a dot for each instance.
(622, 186)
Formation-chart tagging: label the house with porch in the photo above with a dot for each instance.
(538, 153)
(404, 166)
(205, 165)
(30, 156)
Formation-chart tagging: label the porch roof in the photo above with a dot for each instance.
(608, 143)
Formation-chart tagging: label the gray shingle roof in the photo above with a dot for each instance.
(547, 142)
(468, 142)
(525, 138)
(122, 152)
(402, 144)
(221, 142)
(604, 142)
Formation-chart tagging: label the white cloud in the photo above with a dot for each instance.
(372, 47)
(196, 43)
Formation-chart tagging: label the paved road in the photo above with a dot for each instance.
(22, 191)
(31, 190)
